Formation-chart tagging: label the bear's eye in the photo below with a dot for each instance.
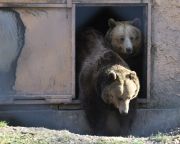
(112, 76)
(122, 39)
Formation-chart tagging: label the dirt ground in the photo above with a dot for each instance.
(24, 135)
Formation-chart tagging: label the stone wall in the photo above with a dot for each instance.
(165, 58)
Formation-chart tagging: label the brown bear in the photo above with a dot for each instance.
(124, 37)
(106, 87)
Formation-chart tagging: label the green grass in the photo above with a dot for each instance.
(161, 138)
(3, 124)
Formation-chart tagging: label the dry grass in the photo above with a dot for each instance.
(3, 124)
(23, 135)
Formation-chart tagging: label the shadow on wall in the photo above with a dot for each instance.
(12, 41)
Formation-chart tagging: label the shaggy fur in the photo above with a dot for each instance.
(123, 37)
(106, 86)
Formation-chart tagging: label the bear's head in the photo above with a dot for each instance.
(118, 86)
(124, 37)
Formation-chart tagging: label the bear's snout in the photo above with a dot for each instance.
(128, 46)
(129, 50)
(124, 107)
(123, 112)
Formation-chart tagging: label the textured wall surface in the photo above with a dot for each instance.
(11, 42)
(148, 121)
(45, 64)
(165, 81)
(9, 39)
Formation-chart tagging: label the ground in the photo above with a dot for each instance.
(24, 135)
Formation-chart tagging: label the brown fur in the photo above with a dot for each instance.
(106, 85)
(123, 35)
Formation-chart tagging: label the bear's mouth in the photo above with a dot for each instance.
(129, 54)
(129, 51)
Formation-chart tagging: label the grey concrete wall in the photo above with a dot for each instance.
(147, 121)
(165, 82)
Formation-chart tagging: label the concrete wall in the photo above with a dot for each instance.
(165, 82)
(147, 121)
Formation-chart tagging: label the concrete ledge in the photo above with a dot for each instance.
(147, 121)
(150, 121)
(72, 120)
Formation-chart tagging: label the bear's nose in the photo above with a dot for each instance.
(124, 113)
(129, 50)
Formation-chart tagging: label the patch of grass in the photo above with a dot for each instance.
(19, 138)
(22, 135)
(162, 138)
(3, 124)
(65, 138)
(104, 141)
(137, 142)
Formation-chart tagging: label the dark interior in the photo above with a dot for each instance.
(97, 17)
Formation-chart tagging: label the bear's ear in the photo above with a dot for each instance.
(112, 76)
(132, 75)
(136, 22)
(111, 23)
